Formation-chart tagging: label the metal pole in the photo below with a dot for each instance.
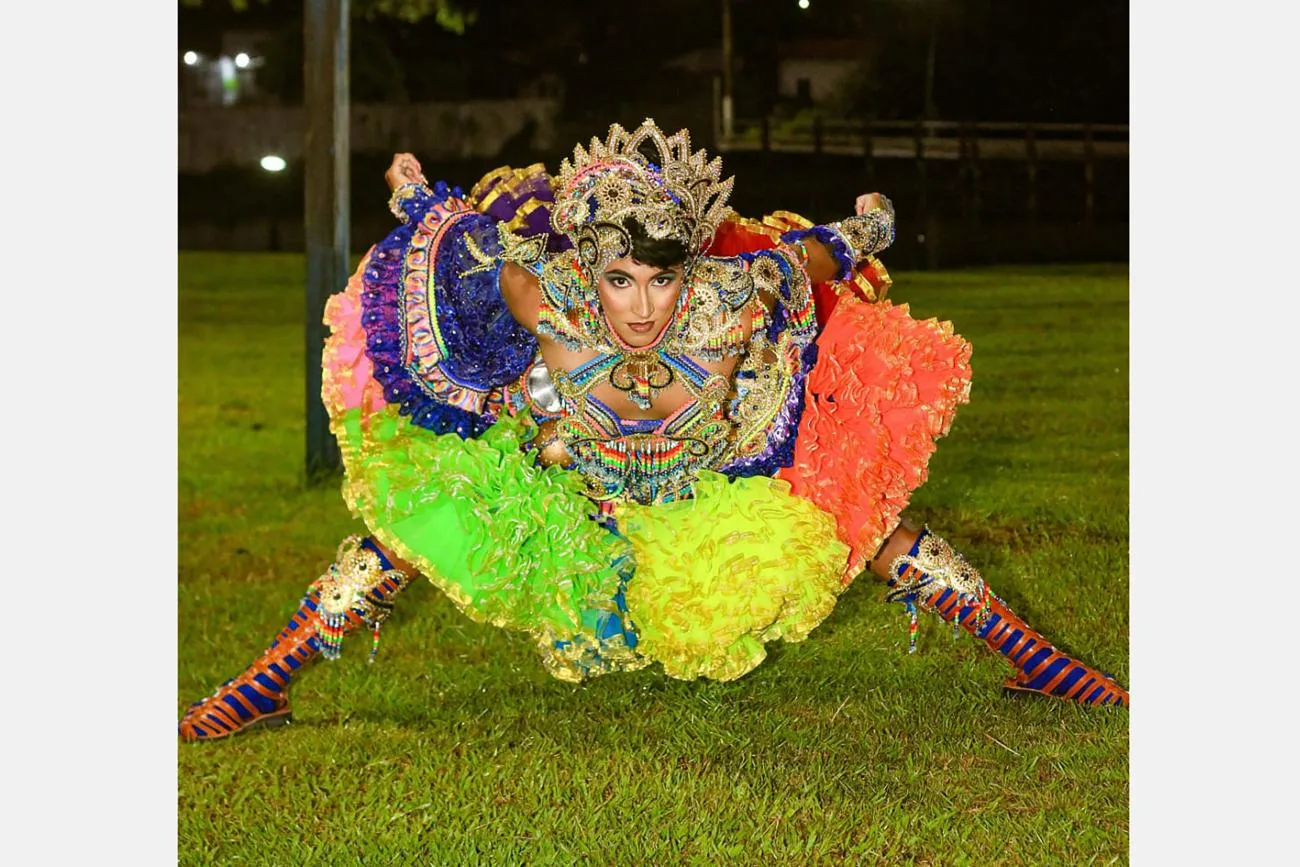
(1031, 165)
(919, 147)
(963, 169)
(728, 106)
(929, 109)
(930, 235)
(868, 151)
(1089, 176)
(326, 151)
(717, 110)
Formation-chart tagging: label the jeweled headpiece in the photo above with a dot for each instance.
(674, 194)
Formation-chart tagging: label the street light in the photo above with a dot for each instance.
(274, 164)
(242, 60)
(191, 58)
(803, 4)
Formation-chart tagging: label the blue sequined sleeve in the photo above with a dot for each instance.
(485, 345)
(851, 240)
(442, 341)
(410, 202)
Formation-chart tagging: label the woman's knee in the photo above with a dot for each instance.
(897, 544)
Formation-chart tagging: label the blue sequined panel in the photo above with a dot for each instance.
(781, 438)
(486, 347)
(415, 201)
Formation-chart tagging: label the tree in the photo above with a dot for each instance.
(376, 75)
(450, 14)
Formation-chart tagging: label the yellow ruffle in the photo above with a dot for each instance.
(743, 563)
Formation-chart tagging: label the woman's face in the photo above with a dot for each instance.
(639, 299)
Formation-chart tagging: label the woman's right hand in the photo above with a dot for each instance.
(404, 170)
(872, 201)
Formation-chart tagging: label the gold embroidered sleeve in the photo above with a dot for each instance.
(521, 250)
(779, 276)
(729, 280)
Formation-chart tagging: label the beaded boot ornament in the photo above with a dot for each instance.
(348, 587)
(930, 566)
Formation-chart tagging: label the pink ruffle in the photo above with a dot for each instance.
(884, 388)
(347, 380)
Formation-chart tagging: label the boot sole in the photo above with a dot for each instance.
(1010, 687)
(275, 719)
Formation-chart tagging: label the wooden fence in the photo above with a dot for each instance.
(970, 145)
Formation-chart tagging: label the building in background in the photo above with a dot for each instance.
(816, 71)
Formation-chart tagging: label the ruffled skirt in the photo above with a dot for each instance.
(698, 586)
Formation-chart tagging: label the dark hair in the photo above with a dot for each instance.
(659, 252)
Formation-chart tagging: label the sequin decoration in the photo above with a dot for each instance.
(929, 566)
(347, 587)
(620, 459)
(867, 233)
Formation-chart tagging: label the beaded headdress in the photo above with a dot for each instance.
(674, 193)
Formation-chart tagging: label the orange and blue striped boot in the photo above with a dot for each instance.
(357, 591)
(931, 575)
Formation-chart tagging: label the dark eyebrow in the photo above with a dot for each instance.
(620, 273)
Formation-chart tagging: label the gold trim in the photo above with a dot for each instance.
(505, 175)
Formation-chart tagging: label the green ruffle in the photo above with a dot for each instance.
(508, 541)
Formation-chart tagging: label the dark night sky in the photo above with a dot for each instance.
(994, 59)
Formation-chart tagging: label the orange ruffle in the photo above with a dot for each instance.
(884, 388)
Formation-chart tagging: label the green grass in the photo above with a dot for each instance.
(457, 748)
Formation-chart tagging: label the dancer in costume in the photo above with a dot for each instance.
(602, 409)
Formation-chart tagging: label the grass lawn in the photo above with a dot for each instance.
(457, 748)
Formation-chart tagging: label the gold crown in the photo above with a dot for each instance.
(674, 194)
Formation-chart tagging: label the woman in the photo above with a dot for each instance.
(601, 409)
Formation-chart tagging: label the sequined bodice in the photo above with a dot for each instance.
(647, 460)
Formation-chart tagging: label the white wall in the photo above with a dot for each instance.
(824, 76)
